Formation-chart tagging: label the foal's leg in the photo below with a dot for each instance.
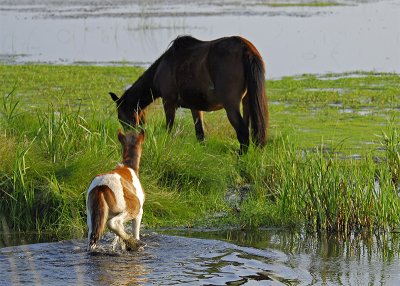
(242, 132)
(136, 228)
(136, 224)
(116, 225)
(198, 124)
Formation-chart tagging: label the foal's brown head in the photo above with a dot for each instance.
(131, 148)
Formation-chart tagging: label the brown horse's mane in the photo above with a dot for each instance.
(140, 94)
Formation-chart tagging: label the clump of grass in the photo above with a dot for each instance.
(9, 107)
(390, 141)
(322, 191)
(45, 158)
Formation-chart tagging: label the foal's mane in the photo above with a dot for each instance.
(139, 94)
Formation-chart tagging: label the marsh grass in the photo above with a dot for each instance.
(325, 192)
(58, 130)
(390, 141)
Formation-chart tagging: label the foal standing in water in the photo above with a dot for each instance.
(117, 197)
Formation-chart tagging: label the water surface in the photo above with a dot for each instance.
(265, 257)
(292, 40)
(166, 260)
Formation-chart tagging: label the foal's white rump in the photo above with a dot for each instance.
(119, 214)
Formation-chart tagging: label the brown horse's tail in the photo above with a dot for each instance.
(97, 212)
(255, 76)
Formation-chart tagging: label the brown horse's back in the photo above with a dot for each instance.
(196, 74)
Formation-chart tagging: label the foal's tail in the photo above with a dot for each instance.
(97, 212)
(255, 76)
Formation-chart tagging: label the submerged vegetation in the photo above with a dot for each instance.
(332, 162)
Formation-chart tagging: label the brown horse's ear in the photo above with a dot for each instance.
(142, 134)
(121, 136)
(114, 96)
(136, 118)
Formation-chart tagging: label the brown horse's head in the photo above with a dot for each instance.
(128, 116)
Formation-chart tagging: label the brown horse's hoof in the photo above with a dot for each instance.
(133, 244)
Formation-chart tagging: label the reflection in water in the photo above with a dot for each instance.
(360, 260)
(266, 257)
(111, 269)
(8, 238)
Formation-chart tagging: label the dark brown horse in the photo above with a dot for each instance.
(204, 76)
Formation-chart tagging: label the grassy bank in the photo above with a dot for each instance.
(332, 162)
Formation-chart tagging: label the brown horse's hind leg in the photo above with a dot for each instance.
(246, 110)
(198, 124)
(241, 129)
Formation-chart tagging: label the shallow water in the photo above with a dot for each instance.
(265, 257)
(166, 260)
(360, 35)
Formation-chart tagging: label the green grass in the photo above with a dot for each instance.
(332, 162)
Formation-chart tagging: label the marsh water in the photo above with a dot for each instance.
(356, 35)
(181, 257)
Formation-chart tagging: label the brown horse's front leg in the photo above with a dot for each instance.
(198, 124)
(169, 110)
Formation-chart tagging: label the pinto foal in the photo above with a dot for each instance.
(117, 197)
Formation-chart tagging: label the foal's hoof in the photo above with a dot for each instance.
(133, 244)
